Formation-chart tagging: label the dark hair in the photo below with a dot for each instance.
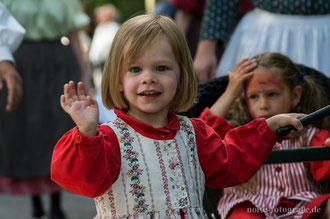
(311, 98)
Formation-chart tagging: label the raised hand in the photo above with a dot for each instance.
(242, 72)
(82, 109)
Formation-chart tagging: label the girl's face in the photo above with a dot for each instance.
(150, 82)
(267, 95)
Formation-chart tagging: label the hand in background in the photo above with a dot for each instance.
(13, 80)
(82, 109)
(205, 62)
(241, 73)
(327, 142)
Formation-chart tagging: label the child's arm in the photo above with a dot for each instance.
(218, 123)
(86, 160)
(241, 73)
(86, 165)
(320, 169)
(238, 157)
(82, 109)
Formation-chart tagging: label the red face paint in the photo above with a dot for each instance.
(266, 94)
(262, 82)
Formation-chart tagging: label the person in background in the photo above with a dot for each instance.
(107, 17)
(149, 162)
(189, 16)
(272, 84)
(49, 55)
(298, 29)
(11, 35)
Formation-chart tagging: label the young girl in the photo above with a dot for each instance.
(149, 162)
(272, 84)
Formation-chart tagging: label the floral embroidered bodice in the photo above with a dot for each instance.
(157, 179)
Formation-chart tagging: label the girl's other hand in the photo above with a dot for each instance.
(280, 120)
(241, 73)
(82, 109)
(327, 142)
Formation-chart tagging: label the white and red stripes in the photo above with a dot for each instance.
(273, 182)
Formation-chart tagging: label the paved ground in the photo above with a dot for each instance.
(18, 207)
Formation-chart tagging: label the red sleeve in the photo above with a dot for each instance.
(317, 203)
(320, 169)
(218, 123)
(86, 165)
(237, 158)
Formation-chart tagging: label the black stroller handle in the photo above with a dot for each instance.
(306, 120)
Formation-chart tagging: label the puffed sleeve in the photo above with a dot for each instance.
(320, 169)
(11, 34)
(218, 123)
(86, 165)
(237, 157)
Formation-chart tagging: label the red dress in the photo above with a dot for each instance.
(89, 165)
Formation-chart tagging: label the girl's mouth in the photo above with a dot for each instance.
(149, 93)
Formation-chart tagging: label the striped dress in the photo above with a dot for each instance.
(273, 182)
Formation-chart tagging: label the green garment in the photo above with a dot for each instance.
(47, 19)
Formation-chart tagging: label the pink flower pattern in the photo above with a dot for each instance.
(134, 172)
(176, 177)
(191, 139)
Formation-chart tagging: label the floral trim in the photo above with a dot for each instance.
(135, 172)
(191, 138)
(164, 176)
(177, 176)
(112, 202)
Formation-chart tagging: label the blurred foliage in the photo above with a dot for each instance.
(127, 8)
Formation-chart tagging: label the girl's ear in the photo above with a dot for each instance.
(296, 95)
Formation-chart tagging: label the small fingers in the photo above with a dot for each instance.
(297, 124)
(64, 105)
(70, 93)
(245, 66)
(327, 142)
(248, 65)
(80, 90)
(91, 101)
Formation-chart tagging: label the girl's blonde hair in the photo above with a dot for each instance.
(312, 97)
(132, 39)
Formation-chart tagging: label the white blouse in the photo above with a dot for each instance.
(11, 34)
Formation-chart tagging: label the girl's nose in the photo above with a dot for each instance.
(263, 104)
(148, 77)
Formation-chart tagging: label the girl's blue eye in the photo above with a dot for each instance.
(162, 68)
(273, 94)
(253, 97)
(135, 69)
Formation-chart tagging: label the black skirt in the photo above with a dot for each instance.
(29, 133)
